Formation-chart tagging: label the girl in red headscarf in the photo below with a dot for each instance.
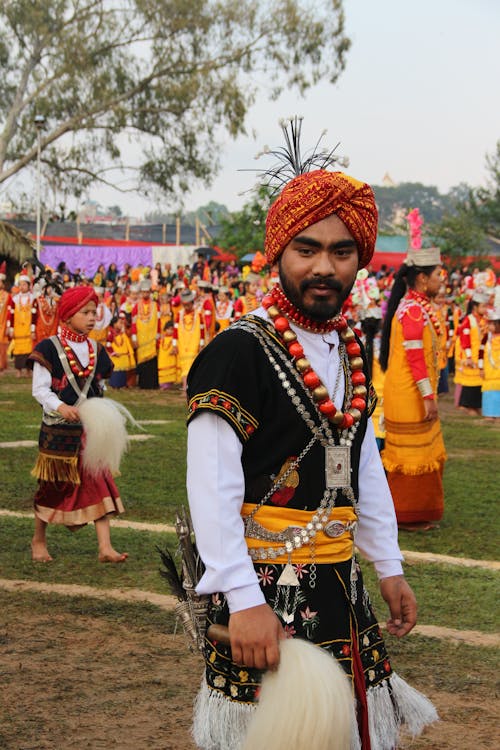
(68, 369)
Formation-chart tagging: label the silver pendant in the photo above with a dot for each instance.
(288, 577)
(338, 466)
(333, 529)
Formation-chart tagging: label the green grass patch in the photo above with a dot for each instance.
(75, 556)
(448, 596)
(143, 616)
(432, 663)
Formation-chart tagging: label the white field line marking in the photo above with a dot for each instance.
(70, 589)
(154, 421)
(469, 637)
(410, 556)
(20, 444)
(118, 523)
(433, 557)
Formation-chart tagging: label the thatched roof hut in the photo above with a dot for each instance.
(15, 244)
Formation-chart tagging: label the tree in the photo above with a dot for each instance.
(161, 77)
(485, 201)
(243, 231)
(460, 234)
(395, 202)
(475, 215)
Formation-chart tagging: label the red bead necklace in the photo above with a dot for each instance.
(272, 302)
(70, 335)
(66, 335)
(293, 313)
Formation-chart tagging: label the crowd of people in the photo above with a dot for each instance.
(154, 321)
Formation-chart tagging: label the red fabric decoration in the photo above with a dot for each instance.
(74, 299)
(313, 196)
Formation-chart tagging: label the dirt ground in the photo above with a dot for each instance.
(74, 682)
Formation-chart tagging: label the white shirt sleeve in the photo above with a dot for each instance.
(41, 388)
(42, 379)
(216, 488)
(377, 534)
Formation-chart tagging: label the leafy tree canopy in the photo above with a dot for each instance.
(475, 216)
(243, 231)
(395, 202)
(485, 201)
(169, 75)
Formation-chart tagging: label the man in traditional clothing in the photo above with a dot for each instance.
(284, 478)
(5, 303)
(20, 324)
(145, 331)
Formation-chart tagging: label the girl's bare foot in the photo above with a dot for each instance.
(112, 556)
(39, 552)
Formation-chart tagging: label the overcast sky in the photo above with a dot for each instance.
(419, 99)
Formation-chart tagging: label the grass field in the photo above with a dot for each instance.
(152, 487)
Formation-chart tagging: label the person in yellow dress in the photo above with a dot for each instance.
(189, 334)
(103, 320)
(468, 353)
(371, 326)
(119, 348)
(414, 452)
(167, 358)
(441, 308)
(20, 324)
(5, 303)
(248, 301)
(145, 331)
(491, 369)
(224, 308)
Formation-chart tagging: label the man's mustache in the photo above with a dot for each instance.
(319, 281)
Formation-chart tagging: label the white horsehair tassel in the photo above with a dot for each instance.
(306, 703)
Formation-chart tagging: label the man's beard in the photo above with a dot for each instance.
(319, 310)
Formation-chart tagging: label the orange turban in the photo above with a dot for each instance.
(313, 196)
(74, 299)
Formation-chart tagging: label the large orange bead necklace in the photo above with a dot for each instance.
(76, 368)
(280, 318)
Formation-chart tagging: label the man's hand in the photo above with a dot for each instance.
(255, 634)
(431, 409)
(402, 605)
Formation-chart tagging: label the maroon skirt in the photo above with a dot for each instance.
(75, 505)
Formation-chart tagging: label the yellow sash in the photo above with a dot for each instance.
(328, 549)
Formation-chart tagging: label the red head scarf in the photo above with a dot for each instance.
(313, 196)
(74, 299)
